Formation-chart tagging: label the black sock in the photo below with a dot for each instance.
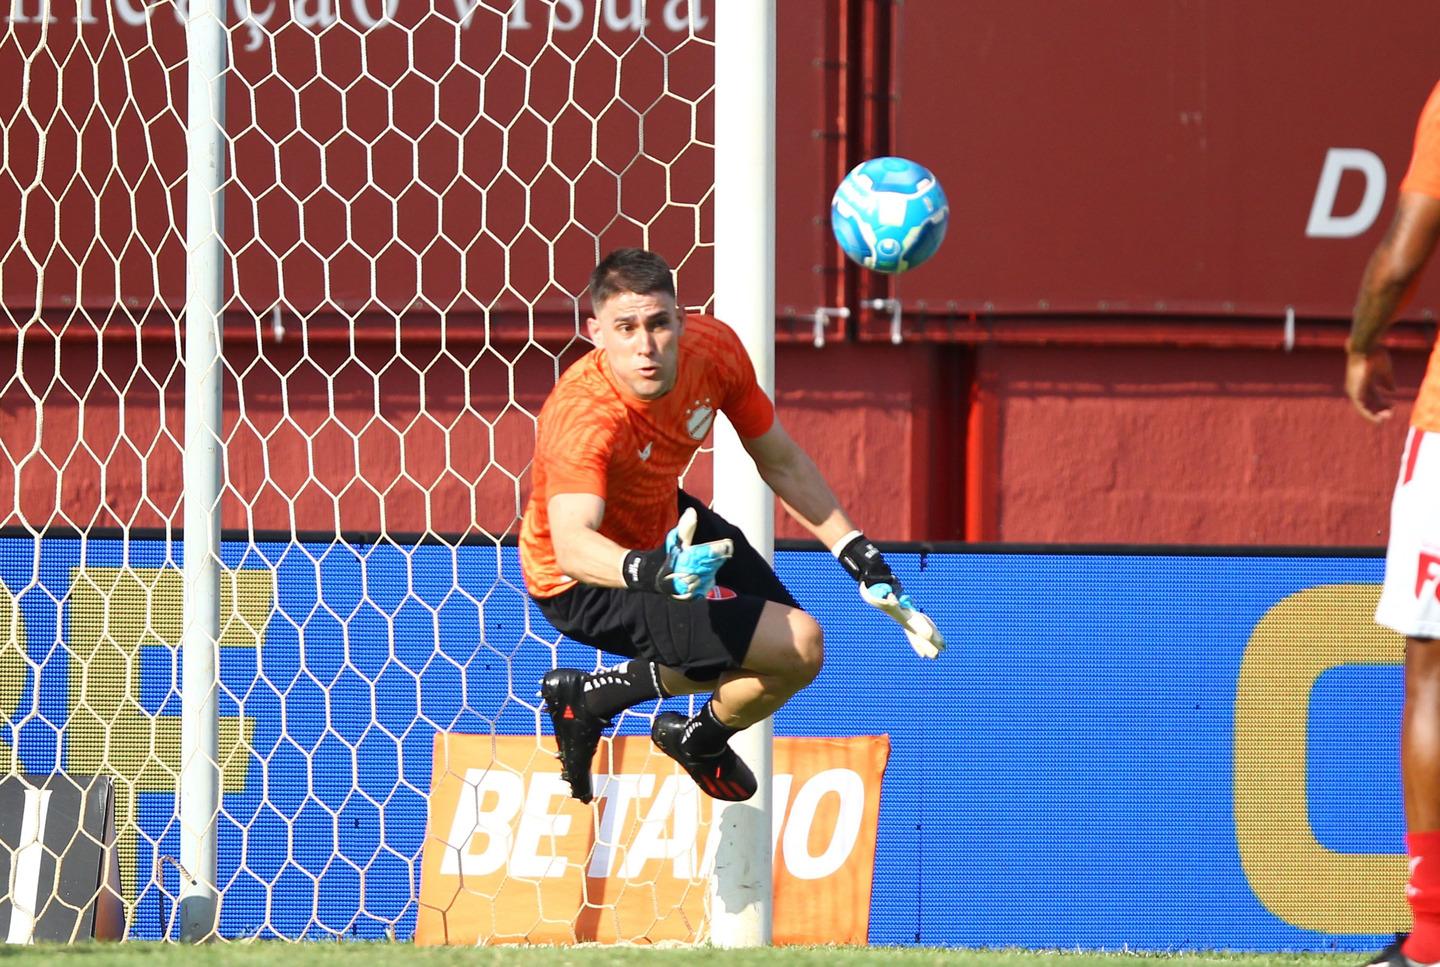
(705, 734)
(612, 690)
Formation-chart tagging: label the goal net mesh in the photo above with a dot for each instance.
(415, 193)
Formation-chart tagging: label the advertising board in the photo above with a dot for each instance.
(1153, 750)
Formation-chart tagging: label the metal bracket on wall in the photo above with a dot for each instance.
(823, 315)
(891, 306)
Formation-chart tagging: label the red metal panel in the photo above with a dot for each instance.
(1120, 156)
(372, 167)
(1158, 157)
(810, 112)
(90, 198)
(483, 183)
(375, 173)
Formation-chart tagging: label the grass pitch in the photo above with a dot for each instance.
(266, 954)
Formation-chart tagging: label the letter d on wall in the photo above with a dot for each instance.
(1324, 223)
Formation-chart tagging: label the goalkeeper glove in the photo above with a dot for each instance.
(681, 568)
(881, 589)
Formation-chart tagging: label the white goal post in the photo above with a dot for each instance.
(204, 466)
(289, 282)
(741, 911)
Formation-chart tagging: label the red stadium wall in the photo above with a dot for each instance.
(886, 426)
(450, 449)
(1066, 444)
(1142, 445)
(1187, 446)
(359, 440)
(1094, 355)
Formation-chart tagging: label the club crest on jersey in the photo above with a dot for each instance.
(698, 420)
(718, 593)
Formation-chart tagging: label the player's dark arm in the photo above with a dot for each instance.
(1389, 279)
(803, 491)
(1393, 269)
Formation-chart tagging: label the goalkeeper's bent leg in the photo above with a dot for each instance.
(785, 655)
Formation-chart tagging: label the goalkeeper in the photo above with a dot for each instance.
(619, 558)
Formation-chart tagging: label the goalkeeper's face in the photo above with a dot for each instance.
(640, 335)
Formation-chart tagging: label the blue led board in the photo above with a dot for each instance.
(1153, 751)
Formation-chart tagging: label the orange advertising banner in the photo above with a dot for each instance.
(509, 857)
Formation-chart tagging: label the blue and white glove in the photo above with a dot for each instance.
(681, 568)
(692, 567)
(881, 589)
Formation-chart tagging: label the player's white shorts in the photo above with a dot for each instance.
(1410, 602)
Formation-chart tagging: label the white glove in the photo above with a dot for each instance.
(924, 637)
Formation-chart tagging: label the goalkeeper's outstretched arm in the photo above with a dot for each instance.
(788, 470)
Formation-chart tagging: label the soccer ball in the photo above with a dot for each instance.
(889, 214)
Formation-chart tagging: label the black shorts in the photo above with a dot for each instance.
(701, 637)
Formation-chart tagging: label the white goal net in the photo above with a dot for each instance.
(414, 193)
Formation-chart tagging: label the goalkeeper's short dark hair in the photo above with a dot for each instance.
(635, 270)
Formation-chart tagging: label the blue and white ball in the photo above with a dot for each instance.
(889, 214)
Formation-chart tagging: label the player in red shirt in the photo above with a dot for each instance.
(691, 604)
(1410, 600)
